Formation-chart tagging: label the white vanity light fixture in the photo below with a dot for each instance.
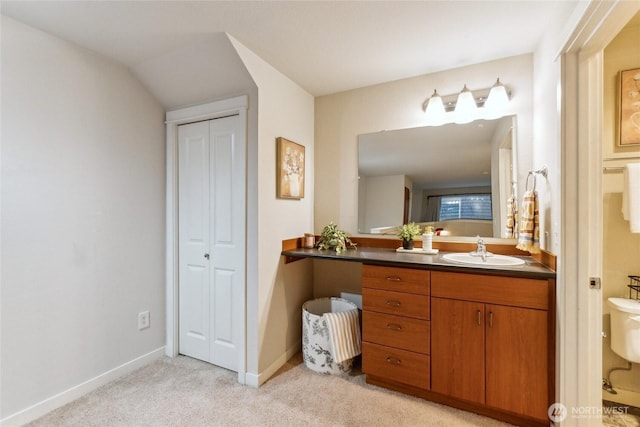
(488, 103)
(435, 110)
(466, 106)
(497, 101)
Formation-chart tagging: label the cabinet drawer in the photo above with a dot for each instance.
(398, 303)
(396, 279)
(396, 331)
(396, 365)
(514, 291)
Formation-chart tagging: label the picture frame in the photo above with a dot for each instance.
(290, 169)
(629, 107)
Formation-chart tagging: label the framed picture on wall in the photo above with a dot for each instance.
(289, 169)
(629, 108)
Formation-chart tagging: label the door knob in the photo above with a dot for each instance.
(206, 256)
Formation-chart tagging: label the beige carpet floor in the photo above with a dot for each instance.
(188, 392)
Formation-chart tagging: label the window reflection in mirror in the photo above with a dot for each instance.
(458, 178)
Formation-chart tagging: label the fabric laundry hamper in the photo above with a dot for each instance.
(330, 335)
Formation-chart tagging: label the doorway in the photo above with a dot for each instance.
(211, 206)
(621, 379)
(221, 168)
(580, 304)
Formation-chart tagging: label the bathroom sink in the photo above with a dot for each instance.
(492, 260)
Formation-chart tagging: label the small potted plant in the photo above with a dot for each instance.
(333, 238)
(407, 232)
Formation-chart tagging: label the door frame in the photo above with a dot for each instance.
(579, 307)
(174, 118)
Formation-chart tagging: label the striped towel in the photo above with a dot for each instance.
(344, 334)
(529, 233)
(511, 229)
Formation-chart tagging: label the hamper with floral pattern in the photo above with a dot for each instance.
(318, 349)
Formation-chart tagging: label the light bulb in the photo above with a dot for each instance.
(497, 101)
(435, 110)
(465, 106)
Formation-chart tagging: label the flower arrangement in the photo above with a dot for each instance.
(407, 232)
(293, 162)
(333, 238)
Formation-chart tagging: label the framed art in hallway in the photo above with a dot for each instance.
(629, 107)
(289, 169)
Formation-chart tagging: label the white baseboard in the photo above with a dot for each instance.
(256, 380)
(39, 409)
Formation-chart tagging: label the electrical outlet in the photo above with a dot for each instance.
(144, 320)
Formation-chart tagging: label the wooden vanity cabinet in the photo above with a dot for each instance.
(396, 325)
(490, 341)
(473, 338)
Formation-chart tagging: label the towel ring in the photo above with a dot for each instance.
(526, 184)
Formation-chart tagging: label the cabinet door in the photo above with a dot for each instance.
(516, 365)
(457, 349)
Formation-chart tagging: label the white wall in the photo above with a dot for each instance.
(341, 117)
(83, 172)
(546, 138)
(277, 291)
(383, 201)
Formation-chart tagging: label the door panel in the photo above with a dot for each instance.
(222, 180)
(223, 321)
(517, 338)
(193, 212)
(457, 349)
(227, 238)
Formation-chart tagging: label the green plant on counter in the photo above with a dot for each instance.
(409, 231)
(333, 238)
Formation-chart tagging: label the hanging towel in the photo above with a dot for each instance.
(529, 232)
(511, 229)
(631, 196)
(344, 334)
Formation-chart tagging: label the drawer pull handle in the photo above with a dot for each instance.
(394, 279)
(491, 319)
(393, 360)
(479, 318)
(393, 303)
(394, 326)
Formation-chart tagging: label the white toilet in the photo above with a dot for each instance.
(625, 328)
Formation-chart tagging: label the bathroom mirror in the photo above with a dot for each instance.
(454, 177)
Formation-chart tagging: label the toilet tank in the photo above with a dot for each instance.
(625, 328)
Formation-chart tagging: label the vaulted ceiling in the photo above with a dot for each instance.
(324, 46)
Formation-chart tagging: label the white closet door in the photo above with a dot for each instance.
(227, 237)
(212, 239)
(194, 219)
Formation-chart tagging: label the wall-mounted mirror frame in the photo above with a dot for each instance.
(401, 170)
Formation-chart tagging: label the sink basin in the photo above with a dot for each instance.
(492, 260)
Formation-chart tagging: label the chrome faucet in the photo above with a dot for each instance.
(481, 250)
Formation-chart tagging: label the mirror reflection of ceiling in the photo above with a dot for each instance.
(425, 154)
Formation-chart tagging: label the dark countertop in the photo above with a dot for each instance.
(383, 256)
